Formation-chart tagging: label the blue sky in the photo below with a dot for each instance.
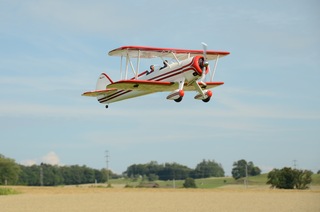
(268, 110)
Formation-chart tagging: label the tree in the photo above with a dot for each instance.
(303, 179)
(150, 170)
(208, 168)
(174, 171)
(288, 178)
(137, 169)
(29, 175)
(9, 171)
(189, 183)
(241, 167)
(153, 170)
(51, 175)
(153, 177)
(253, 170)
(283, 178)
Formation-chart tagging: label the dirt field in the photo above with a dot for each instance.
(119, 199)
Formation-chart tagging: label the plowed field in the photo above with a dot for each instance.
(133, 199)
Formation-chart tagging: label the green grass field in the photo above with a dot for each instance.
(316, 179)
(214, 182)
(7, 191)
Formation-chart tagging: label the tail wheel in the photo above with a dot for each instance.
(179, 99)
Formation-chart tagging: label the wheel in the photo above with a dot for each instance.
(107, 106)
(206, 100)
(179, 99)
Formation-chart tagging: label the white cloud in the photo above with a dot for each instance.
(51, 158)
(29, 162)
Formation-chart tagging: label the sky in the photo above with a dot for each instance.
(267, 112)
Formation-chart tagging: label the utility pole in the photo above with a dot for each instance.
(41, 175)
(295, 164)
(107, 162)
(246, 175)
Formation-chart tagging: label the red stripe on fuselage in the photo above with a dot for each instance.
(115, 95)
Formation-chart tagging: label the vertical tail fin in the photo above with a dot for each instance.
(103, 81)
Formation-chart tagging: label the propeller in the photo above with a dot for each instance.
(204, 46)
(205, 63)
(203, 76)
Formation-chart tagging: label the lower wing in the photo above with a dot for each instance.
(149, 86)
(144, 85)
(207, 85)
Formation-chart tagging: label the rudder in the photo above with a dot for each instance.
(103, 81)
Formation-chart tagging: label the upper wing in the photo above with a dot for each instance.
(143, 85)
(151, 52)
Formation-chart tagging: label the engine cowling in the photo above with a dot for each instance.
(199, 65)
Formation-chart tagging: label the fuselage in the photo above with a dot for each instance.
(188, 71)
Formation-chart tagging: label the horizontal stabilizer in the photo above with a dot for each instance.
(99, 92)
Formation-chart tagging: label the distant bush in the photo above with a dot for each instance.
(189, 183)
(288, 178)
(128, 186)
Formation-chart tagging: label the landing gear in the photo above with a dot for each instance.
(206, 100)
(179, 99)
(107, 106)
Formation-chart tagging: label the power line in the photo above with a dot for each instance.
(41, 175)
(107, 163)
(295, 164)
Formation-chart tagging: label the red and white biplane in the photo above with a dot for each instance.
(183, 70)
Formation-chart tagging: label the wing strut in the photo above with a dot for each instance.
(132, 68)
(121, 67)
(214, 68)
(175, 57)
(127, 63)
(138, 63)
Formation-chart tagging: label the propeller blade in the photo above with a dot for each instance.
(204, 46)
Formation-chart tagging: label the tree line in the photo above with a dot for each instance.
(174, 171)
(12, 173)
(52, 175)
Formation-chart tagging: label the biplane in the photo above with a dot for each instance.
(182, 70)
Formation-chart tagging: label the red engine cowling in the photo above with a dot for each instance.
(198, 64)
